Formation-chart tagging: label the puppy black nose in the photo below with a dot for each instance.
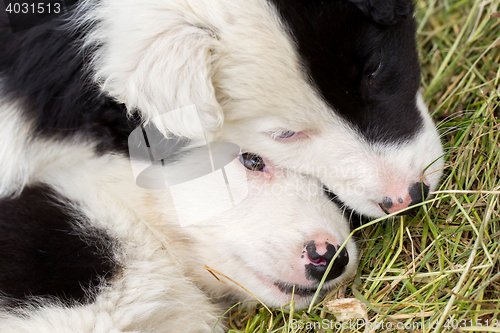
(418, 192)
(319, 262)
(398, 201)
(386, 204)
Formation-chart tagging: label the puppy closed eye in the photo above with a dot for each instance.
(285, 136)
(252, 162)
(372, 67)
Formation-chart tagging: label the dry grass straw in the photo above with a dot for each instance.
(438, 270)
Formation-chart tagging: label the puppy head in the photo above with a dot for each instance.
(282, 236)
(326, 88)
(338, 100)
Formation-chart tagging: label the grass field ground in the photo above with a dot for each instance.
(437, 271)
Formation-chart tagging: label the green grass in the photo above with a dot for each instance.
(442, 264)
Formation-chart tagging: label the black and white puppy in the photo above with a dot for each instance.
(325, 92)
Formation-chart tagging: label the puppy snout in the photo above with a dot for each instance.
(319, 256)
(386, 204)
(416, 193)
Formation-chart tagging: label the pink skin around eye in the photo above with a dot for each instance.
(294, 137)
(266, 175)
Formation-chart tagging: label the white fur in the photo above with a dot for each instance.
(14, 168)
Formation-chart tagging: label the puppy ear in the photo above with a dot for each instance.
(155, 61)
(385, 12)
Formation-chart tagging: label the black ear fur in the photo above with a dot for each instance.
(385, 12)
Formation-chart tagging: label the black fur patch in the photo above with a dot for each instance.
(341, 49)
(43, 255)
(43, 68)
(385, 11)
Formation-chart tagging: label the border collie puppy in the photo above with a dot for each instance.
(89, 251)
(325, 93)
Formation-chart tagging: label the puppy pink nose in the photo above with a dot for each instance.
(415, 194)
(319, 255)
